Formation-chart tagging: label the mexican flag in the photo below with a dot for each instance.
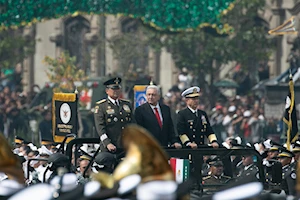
(181, 169)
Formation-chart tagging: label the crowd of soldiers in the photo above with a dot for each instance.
(192, 130)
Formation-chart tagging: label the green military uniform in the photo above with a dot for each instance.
(251, 170)
(215, 179)
(212, 183)
(110, 120)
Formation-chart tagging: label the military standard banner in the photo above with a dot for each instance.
(64, 115)
(139, 95)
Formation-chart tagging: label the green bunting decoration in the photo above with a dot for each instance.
(171, 15)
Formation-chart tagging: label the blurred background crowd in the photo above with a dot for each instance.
(238, 115)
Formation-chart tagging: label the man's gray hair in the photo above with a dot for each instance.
(153, 87)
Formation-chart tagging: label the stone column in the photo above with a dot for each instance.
(44, 47)
(167, 71)
(28, 64)
(57, 37)
(92, 41)
(154, 65)
(112, 28)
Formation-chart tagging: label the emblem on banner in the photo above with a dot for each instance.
(65, 113)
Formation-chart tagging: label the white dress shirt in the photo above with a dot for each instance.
(159, 111)
(193, 111)
(116, 102)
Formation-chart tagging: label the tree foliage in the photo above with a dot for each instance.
(63, 72)
(14, 48)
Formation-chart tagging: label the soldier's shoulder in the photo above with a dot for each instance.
(206, 177)
(226, 177)
(184, 111)
(125, 100)
(101, 101)
(202, 112)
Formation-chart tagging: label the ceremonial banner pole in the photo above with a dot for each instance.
(290, 117)
(64, 116)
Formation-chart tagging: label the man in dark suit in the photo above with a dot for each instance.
(193, 124)
(111, 116)
(156, 118)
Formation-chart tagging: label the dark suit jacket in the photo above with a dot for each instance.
(145, 117)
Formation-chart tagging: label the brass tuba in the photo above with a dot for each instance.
(287, 27)
(9, 163)
(144, 156)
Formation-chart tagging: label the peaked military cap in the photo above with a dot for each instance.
(191, 92)
(46, 142)
(19, 140)
(215, 161)
(285, 153)
(296, 147)
(85, 157)
(275, 146)
(113, 83)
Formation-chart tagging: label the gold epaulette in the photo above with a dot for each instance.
(101, 101)
(125, 100)
(206, 177)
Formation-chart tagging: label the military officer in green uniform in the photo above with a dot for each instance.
(192, 124)
(215, 178)
(288, 172)
(111, 116)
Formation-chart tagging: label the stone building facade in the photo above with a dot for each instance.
(80, 34)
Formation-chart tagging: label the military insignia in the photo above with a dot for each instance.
(191, 121)
(257, 175)
(126, 108)
(108, 120)
(115, 119)
(108, 107)
(203, 119)
(293, 175)
(195, 90)
(110, 111)
(101, 101)
(117, 80)
(96, 109)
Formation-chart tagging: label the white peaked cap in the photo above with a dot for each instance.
(41, 191)
(8, 187)
(245, 191)
(44, 150)
(158, 190)
(69, 182)
(191, 92)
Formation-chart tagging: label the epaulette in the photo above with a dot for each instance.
(226, 177)
(101, 101)
(206, 177)
(125, 100)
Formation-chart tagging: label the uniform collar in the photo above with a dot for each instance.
(247, 167)
(112, 100)
(157, 106)
(191, 109)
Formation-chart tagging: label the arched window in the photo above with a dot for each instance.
(75, 29)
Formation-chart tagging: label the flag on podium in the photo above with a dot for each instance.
(290, 116)
(181, 169)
